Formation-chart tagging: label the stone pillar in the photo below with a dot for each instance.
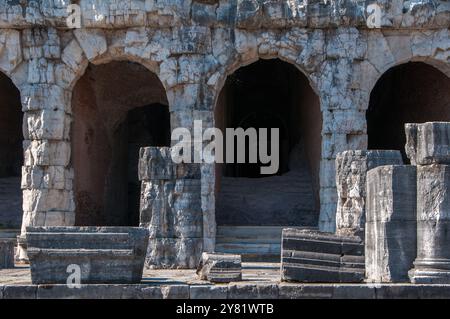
(351, 170)
(433, 225)
(46, 174)
(391, 227)
(171, 209)
(428, 147)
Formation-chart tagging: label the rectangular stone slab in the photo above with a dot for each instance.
(101, 254)
(317, 257)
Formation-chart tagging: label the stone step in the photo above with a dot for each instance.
(319, 274)
(312, 256)
(319, 259)
(81, 252)
(250, 231)
(84, 240)
(326, 243)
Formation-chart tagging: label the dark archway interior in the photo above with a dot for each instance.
(271, 94)
(118, 108)
(410, 93)
(11, 154)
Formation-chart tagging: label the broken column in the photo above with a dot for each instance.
(170, 209)
(391, 227)
(428, 146)
(351, 169)
(220, 268)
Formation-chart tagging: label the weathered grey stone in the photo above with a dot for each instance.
(220, 268)
(208, 292)
(252, 291)
(103, 254)
(433, 225)
(171, 210)
(7, 252)
(351, 170)
(312, 256)
(428, 143)
(391, 227)
(175, 292)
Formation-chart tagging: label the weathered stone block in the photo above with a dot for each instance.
(351, 170)
(391, 226)
(103, 254)
(7, 253)
(428, 143)
(312, 256)
(156, 164)
(433, 225)
(220, 268)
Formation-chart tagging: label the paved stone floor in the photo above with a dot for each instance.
(251, 273)
(260, 281)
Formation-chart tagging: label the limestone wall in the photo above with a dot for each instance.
(192, 46)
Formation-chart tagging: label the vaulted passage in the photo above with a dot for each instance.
(11, 154)
(271, 94)
(118, 108)
(410, 93)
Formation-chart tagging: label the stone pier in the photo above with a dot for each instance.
(171, 209)
(391, 225)
(428, 146)
(351, 171)
(433, 225)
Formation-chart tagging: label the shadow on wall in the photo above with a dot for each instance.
(414, 92)
(118, 107)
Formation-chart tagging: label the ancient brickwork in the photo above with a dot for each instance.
(192, 46)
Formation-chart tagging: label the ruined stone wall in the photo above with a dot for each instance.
(192, 46)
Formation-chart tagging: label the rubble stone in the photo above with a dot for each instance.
(220, 268)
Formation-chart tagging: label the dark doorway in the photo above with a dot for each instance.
(414, 92)
(271, 94)
(11, 154)
(118, 107)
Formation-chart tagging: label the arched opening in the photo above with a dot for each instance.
(118, 108)
(414, 92)
(269, 94)
(11, 154)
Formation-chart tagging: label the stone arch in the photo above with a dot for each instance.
(416, 90)
(118, 106)
(294, 98)
(11, 153)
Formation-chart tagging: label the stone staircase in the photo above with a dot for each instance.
(254, 243)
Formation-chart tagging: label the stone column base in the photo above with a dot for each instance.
(430, 271)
